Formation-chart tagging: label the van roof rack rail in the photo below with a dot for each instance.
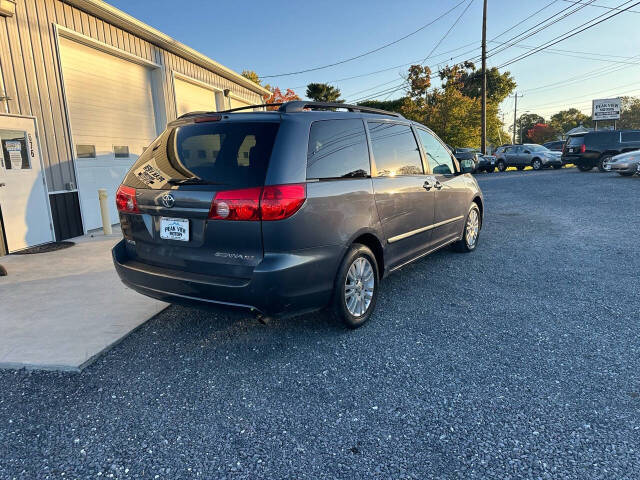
(301, 106)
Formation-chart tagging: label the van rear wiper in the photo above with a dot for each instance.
(192, 181)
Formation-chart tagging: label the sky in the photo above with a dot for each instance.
(279, 37)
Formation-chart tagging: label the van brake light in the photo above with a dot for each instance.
(126, 201)
(273, 202)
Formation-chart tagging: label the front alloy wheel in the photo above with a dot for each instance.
(536, 164)
(502, 166)
(471, 232)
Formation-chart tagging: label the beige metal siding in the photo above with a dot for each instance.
(30, 71)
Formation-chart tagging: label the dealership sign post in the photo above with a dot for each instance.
(606, 109)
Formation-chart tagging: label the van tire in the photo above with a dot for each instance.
(338, 306)
(502, 166)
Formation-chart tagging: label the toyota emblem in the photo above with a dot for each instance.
(168, 200)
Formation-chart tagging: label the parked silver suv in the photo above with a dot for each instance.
(293, 210)
(527, 155)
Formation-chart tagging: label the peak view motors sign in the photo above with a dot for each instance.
(606, 109)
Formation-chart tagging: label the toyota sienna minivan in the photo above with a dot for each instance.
(293, 210)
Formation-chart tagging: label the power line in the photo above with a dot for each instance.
(566, 36)
(401, 85)
(524, 35)
(398, 66)
(598, 72)
(581, 55)
(585, 95)
(524, 20)
(370, 51)
(600, 6)
(447, 32)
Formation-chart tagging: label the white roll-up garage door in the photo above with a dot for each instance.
(237, 103)
(193, 98)
(110, 103)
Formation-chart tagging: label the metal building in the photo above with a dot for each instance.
(84, 88)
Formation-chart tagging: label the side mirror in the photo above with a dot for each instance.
(466, 166)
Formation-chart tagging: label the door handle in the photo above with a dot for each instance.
(438, 185)
(427, 185)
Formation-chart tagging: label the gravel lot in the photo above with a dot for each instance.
(521, 360)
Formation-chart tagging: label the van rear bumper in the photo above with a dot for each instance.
(282, 284)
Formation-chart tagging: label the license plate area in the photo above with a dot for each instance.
(174, 229)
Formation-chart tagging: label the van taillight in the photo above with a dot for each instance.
(273, 202)
(240, 204)
(281, 201)
(583, 148)
(126, 200)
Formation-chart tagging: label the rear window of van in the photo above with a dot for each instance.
(234, 154)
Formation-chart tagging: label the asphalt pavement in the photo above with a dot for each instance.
(520, 360)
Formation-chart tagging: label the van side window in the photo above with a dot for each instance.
(395, 149)
(337, 149)
(438, 157)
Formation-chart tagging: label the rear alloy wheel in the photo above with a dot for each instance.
(356, 288)
(471, 233)
(502, 166)
(536, 164)
(604, 159)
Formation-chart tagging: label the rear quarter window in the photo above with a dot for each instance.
(337, 149)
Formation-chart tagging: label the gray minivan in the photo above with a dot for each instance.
(292, 210)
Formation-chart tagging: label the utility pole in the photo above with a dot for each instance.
(483, 134)
(515, 115)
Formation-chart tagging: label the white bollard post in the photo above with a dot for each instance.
(104, 211)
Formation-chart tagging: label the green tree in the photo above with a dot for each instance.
(565, 120)
(389, 105)
(451, 111)
(323, 92)
(468, 80)
(630, 113)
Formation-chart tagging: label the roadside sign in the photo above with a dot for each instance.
(606, 109)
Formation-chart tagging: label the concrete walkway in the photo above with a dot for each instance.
(60, 310)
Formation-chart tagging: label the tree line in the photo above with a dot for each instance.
(452, 109)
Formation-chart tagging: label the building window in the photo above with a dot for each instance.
(86, 151)
(121, 151)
